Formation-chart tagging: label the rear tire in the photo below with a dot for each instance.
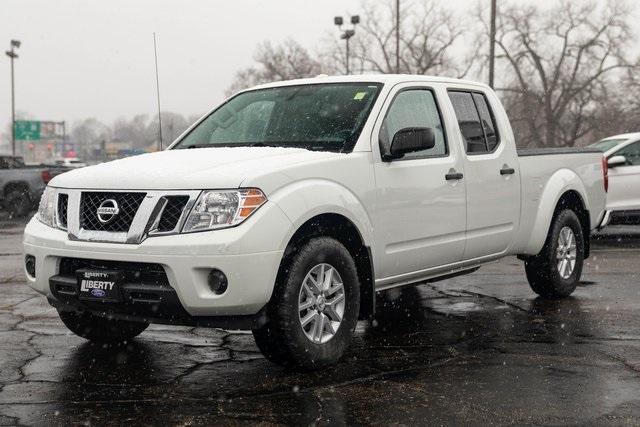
(308, 327)
(18, 204)
(555, 271)
(100, 329)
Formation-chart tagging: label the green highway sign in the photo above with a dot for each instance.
(27, 130)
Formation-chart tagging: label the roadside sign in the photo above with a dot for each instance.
(27, 130)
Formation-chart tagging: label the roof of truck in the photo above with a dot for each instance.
(370, 78)
(631, 135)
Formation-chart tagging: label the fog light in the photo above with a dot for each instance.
(30, 265)
(217, 282)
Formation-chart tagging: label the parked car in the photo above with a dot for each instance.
(21, 186)
(623, 157)
(288, 207)
(67, 162)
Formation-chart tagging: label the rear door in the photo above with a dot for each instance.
(624, 181)
(420, 217)
(491, 175)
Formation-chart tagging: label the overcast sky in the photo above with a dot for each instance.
(88, 58)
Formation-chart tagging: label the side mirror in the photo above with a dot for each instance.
(410, 140)
(615, 161)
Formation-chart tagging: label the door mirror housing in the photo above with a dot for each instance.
(410, 140)
(615, 161)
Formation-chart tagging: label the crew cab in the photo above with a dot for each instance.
(286, 208)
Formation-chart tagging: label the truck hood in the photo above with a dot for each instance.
(192, 169)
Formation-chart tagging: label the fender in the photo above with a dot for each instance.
(304, 199)
(560, 182)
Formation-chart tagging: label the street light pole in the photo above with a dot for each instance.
(397, 36)
(492, 45)
(13, 55)
(347, 34)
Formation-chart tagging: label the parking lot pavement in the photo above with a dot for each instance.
(478, 349)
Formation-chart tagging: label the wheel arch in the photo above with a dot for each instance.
(564, 190)
(345, 231)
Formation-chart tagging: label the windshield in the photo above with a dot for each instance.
(607, 144)
(325, 117)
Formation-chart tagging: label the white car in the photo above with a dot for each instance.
(68, 162)
(285, 209)
(623, 157)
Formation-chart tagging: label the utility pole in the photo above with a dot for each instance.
(492, 45)
(347, 34)
(397, 36)
(155, 53)
(13, 55)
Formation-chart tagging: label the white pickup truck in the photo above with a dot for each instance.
(287, 207)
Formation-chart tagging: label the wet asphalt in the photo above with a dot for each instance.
(474, 350)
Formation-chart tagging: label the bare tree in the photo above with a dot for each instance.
(286, 61)
(427, 35)
(559, 64)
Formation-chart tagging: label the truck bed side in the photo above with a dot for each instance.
(548, 174)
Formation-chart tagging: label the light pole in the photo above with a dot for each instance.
(13, 55)
(397, 36)
(492, 44)
(347, 34)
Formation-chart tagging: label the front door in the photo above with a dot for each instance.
(491, 174)
(420, 217)
(624, 181)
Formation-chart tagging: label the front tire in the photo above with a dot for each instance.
(100, 329)
(314, 307)
(555, 271)
(18, 204)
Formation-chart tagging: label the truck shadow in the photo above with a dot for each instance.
(416, 329)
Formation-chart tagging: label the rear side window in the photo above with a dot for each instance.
(476, 121)
(414, 108)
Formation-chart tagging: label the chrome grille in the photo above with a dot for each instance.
(172, 213)
(128, 203)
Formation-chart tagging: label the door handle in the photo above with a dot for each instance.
(453, 176)
(507, 171)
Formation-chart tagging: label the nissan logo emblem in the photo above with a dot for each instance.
(107, 211)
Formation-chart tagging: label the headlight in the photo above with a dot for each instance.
(47, 207)
(220, 209)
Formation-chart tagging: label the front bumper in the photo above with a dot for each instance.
(248, 255)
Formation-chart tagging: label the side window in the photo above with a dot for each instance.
(631, 152)
(413, 108)
(476, 121)
(4, 163)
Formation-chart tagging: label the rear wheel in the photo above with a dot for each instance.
(555, 271)
(314, 308)
(101, 329)
(18, 203)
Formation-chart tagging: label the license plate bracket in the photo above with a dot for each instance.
(99, 285)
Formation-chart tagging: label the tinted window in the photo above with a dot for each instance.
(413, 108)
(476, 121)
(486, 118)
(631, 153)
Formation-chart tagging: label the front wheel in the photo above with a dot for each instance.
(18, 204)
(100, 329)
(314, 308)
(555, 271)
